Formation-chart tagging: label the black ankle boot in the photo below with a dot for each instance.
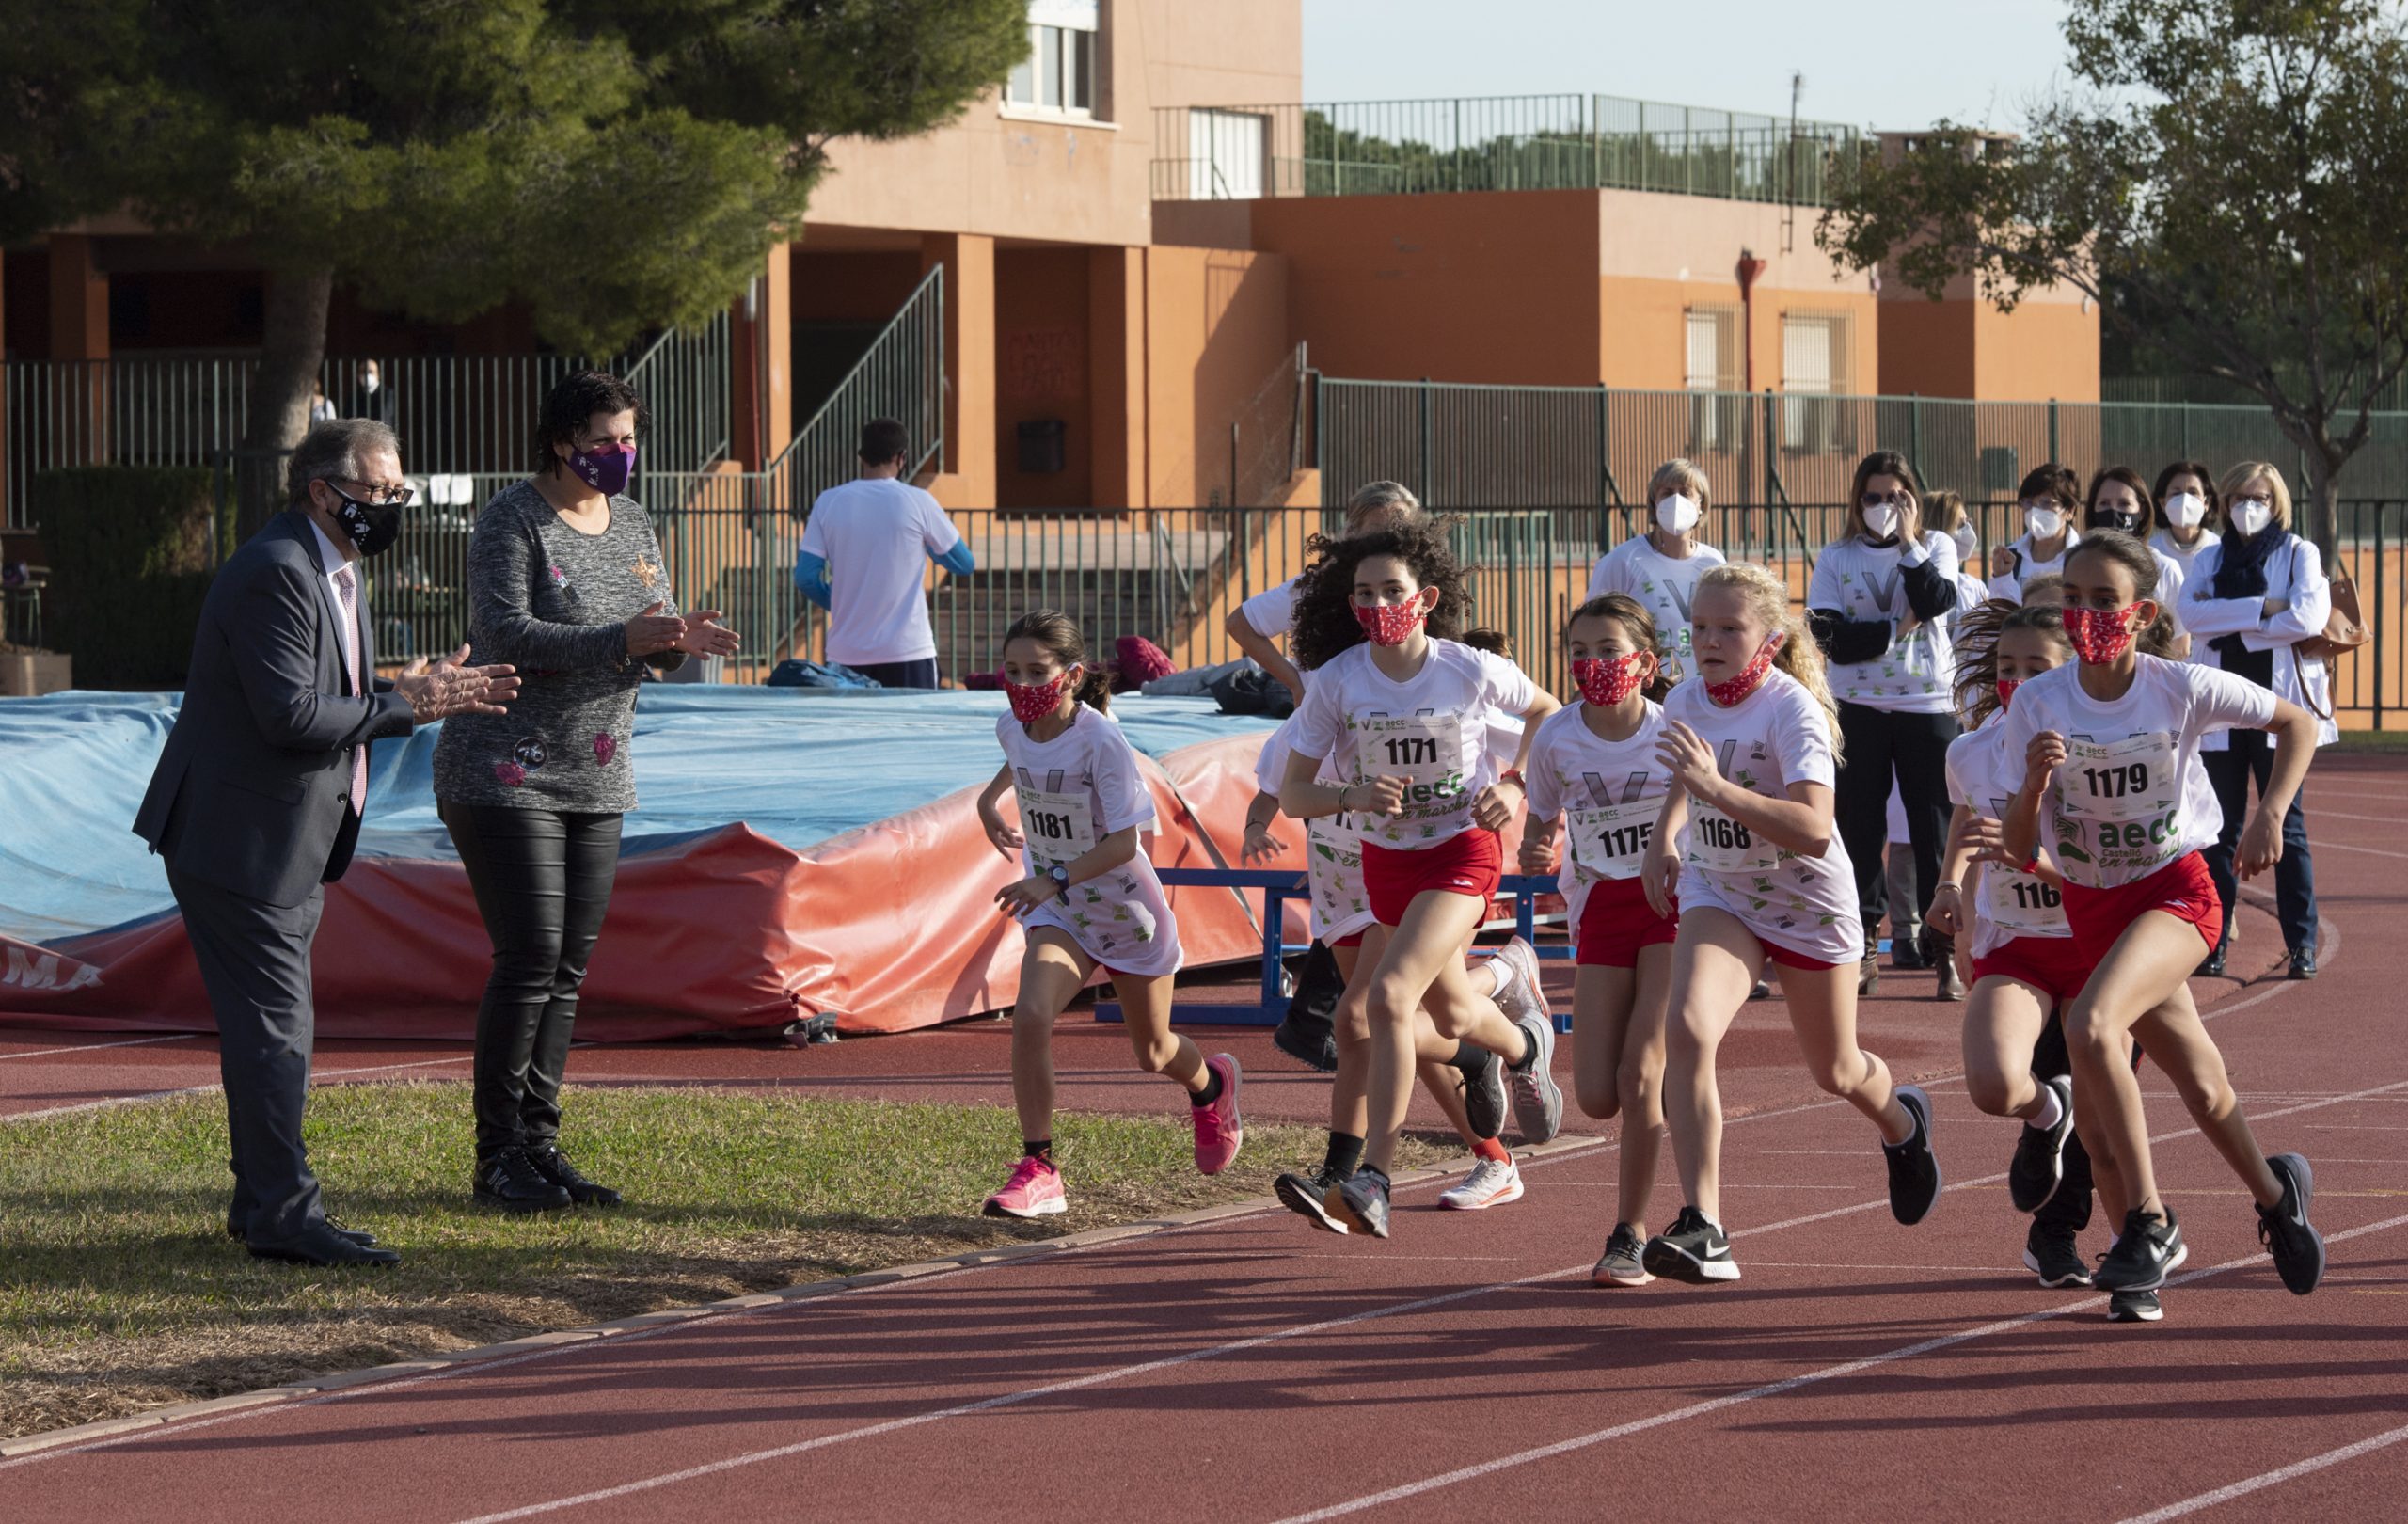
(511, 1182)
(553, 1166)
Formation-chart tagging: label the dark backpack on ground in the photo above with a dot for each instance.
(1252, 690)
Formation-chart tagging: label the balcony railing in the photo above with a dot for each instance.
(1516, 142)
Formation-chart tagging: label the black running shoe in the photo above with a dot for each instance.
(1302, 1195)
(2298, 1249)
(511, 1182)
(553, 1165)
(1360, 1202)
(2147, 1250)
(2134, 1307)
(2052, 1254)
(1308, 1044)
(1914, 1169)
(1762, 991)
(1484, 1098)
(2039, 1162)
(1692, 1249)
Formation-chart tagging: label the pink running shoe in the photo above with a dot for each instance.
(1219, 1129)
(1034, 1190)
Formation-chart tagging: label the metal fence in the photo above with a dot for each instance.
(1520, 142)
(901, 377)
(456, 414)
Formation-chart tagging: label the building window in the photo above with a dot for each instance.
(1059, 73)
(1713, 366)
(1815, 350)
(1225, 155)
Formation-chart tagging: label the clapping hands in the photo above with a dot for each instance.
(451, 687)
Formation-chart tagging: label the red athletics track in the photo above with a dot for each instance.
(1265, 1371)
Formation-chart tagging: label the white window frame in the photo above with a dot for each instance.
(1066, 53)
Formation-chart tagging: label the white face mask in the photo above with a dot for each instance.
(1677, 514)
(369, 382)
(1882, 521)
(2043, 523)
(1966, 542)
(2185, 510)
(2250, 514)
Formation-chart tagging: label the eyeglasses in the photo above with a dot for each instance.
(1888, 499)
(397, 497)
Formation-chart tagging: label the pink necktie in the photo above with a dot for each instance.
(346, 585)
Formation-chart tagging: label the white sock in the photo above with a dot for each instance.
(1499, 975)
(2051, 1110)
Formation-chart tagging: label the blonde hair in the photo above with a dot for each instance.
(2279, 500)
(1376, 497)
(1684, 475)
(1767, 598)
(1944, 510)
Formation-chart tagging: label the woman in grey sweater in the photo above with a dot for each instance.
(565, 575)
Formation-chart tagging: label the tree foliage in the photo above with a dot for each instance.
(2223, 178)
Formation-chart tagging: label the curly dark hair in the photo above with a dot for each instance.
(1323, 622)
(572, 401)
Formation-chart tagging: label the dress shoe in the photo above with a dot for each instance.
(1308, 1044)
(2211, 967)
(553, 1165)
(1941, 953)
(358, 1235)
(320, 1245)
(2302, 961)
(1906, 954)
(511, 1182)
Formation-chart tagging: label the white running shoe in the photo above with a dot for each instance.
(1491, 1183)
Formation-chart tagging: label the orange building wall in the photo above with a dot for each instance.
(1041, 371)
(1217, 327)
(1927, 347)
(2042, 349)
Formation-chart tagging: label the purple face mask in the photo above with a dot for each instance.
(605, 471)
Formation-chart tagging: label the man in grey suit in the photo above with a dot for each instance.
(256, 802)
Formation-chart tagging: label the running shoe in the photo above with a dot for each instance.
(1491, 1183)
(1484, 1096)
(2298, 1249)
(2052, 1254)
(1538, 1101)
(1034, 1190)
(1621, 1264)
(2134, 1307)
(2039, 1162)
(1219, 1128)
(1914, 1169)
(1303, 1194)
(1520, 994)
(1692, 1249)
(1360, 1202)
(1762, 991)
(2145, 1253)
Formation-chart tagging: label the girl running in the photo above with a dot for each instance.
(1660, 568)
(1090, 901)
(1595, 764)
(1749, 741)
(1401, 709)
(2027, 968)
(1258, 625)
(2114, 786)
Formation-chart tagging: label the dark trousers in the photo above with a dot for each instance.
(2068, 1211)
(543, 882)
(1876, 747)
(2251, 755)
(919, 673)
(254, 961)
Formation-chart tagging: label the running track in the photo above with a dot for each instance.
(1253, 1368)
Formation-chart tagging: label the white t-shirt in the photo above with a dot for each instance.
(1073, 791)
(2029, 567)
(1775, 736)
(2131, 796)
(874, 535)
(2007, 902)
(1863, 582)
(1609, 792)
(2184, 556)
(1431, 730)
(1269, 611)
(1333, 849)
(1637, 569)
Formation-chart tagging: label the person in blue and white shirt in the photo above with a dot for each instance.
(860, 559)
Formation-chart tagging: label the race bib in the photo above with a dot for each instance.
(1610, 842)
(1722, 845)
(1058, 828)
(1426, 750)
(2021, 904)
(2119, 805)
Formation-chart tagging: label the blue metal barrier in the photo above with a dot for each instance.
(1279, 886)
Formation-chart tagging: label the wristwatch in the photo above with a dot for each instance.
(1061, 877)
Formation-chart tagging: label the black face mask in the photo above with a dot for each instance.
(2103, 520)
(373, 526)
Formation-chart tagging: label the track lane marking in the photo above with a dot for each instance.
(2271, 1479)
(95, 1047)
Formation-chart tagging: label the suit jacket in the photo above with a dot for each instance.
(256, 775)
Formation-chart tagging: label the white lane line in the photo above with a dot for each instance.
(2345, 847)
(1775, 1388)
(95, 1047)
(2272, 1479)
(149, 1096)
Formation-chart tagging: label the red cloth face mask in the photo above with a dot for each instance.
(1033, 702)
(1390, 623)
(1606, 684)
(2100, 635)
(2006, 687)
(1751, 678)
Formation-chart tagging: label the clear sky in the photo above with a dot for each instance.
(1871, 63)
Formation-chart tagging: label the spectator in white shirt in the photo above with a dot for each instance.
(1660, 568)
(2050, 495)
(861, 550)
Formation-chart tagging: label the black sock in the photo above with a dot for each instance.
(1530, 1054)
(1345, 1157)
(1037, 1148)
(1472, 1060)
(1211, 1091)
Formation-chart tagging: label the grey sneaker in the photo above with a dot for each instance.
(2298, 1249)
(1484, 1096)
(1538, 1101)
(1521, 995)
(2133, 1307)
(1621, 1264)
